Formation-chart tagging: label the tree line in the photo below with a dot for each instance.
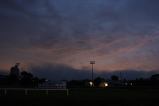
(17, 78)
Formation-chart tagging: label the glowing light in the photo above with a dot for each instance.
(91, 83)
(106, 84)
(131, 84)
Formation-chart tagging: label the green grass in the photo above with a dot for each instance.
(87, 96)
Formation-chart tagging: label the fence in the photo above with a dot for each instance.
(26, 90)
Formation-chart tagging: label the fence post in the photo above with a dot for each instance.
(5, 91)
(26, 92)
(47, 92)
(67, 92)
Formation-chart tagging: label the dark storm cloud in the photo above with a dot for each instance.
(76, 19)
(142, 15)
(62, 72)
(145, 9)
(27, 18)
(114, 32)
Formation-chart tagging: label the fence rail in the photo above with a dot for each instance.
(26, 90)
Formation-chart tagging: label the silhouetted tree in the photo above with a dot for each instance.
(114, 78)
(42, 80)
(36, 81)
(14, 71)
(26, 79)
(17, 79)
(13, 77)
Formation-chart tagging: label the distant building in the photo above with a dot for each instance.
(155, 77)
(116, 83)
(3, 77)
(54, 84)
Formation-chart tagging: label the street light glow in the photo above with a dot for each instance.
(106, 84)
(91, 83)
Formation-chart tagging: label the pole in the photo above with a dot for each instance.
(92, 72)
(92, 63)
(67, 92)
(47, 92)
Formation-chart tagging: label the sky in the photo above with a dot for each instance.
(66, 34)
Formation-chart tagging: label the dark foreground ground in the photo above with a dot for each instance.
(87, 97)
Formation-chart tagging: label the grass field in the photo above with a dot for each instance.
(88, 96)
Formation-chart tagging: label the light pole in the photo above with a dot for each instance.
(92, 63)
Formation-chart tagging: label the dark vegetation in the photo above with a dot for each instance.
(20, 79)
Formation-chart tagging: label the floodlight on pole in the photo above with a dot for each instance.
(92, 63)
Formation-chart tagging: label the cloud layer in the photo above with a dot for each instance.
(118, 34)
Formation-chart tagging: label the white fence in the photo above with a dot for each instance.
(26, 90)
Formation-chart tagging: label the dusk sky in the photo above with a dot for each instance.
(117, 34)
